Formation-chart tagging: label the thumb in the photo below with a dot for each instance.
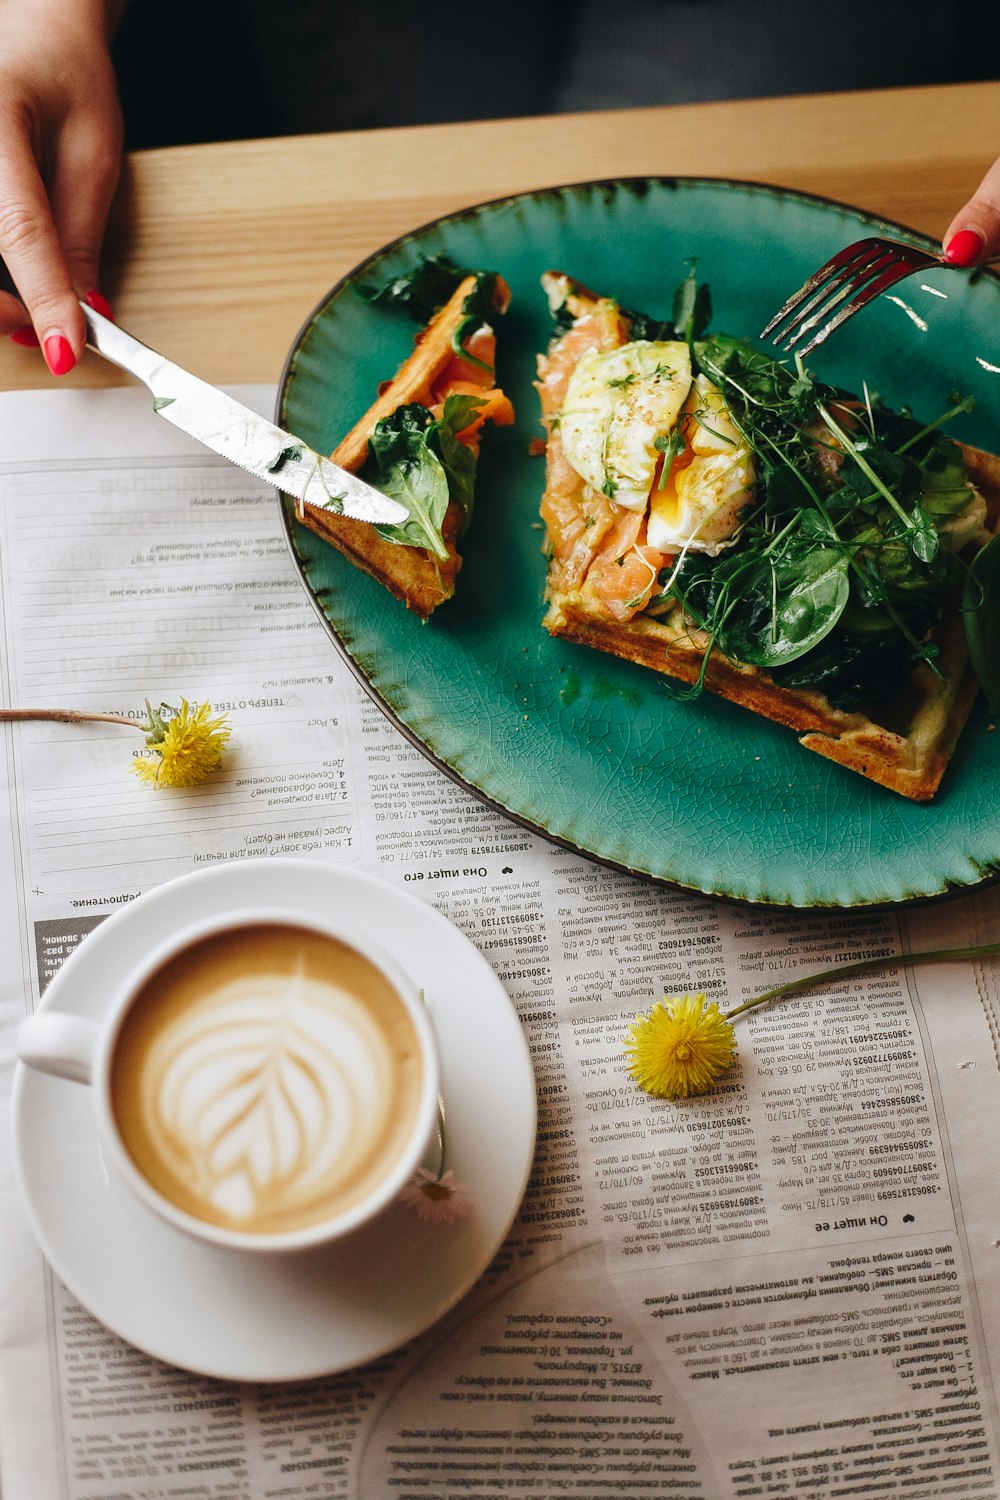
(974, 232)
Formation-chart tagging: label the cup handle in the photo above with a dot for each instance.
(60, 1044)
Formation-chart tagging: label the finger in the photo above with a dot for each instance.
(83, 187)
(974, 232)
(30, 247)
(14, 320)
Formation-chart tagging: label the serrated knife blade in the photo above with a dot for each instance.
(239, 434)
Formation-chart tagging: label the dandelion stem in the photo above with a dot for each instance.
(442, 1139)
(864, 966)
(68, 716)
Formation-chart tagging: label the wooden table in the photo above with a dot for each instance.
(217, 253)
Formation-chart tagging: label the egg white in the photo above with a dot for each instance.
(621, 405)
(618, 402)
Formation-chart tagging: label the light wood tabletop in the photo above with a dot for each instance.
(216, 254)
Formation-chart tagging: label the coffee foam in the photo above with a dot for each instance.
(267, 1080)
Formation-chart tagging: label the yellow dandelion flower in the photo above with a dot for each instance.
(680, 1046)
(187, 745)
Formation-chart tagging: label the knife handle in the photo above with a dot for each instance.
(111, 341)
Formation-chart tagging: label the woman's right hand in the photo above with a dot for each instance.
(60, 151)
(974, 233)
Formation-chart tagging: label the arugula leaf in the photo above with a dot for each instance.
(459, 409)
(459, 463)
(691, 314)
(981, 615)
(692, 310)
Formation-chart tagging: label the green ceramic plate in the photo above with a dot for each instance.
(585, 750)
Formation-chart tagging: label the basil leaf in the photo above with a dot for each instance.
(982, 620)
(807, 596)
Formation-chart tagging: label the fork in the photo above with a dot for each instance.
(843, 286)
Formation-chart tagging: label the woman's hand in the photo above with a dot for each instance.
(974, 232)
(60, 149)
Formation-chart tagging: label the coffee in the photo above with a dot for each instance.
(266, 1078)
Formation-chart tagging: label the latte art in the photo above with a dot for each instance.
(266, 1079)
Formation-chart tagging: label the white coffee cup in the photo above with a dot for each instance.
(263, 1081)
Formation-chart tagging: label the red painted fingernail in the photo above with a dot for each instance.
(58, 353)
(99, 304)
(26, 337)
(964, 248)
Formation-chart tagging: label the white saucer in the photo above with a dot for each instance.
(261, 1317)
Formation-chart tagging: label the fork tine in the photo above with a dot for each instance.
(847, 310)
(841, 261)
(842, 284)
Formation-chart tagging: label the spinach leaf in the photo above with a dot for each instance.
(854, 671)
(421, 462)
(944, 480)
(402, 464)
(420, 292)
(982, 620)
(797, 602)
(420, 483)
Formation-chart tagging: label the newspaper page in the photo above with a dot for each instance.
(790, 1286)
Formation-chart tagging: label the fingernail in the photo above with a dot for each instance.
(99, 304)
(26, 337)
(58, 353)
(964, 248)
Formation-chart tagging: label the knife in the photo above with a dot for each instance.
(238, 433)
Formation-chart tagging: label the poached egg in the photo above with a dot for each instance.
(622, 406)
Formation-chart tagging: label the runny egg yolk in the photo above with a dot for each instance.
(710, 480)
(622, 407)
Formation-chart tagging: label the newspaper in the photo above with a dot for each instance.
(790, 1286)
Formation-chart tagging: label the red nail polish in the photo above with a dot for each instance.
(100, 304)
(26, 337)
(59, 355)
(964, 248)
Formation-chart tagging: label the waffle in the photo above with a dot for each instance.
(904, 744)
(427, 377)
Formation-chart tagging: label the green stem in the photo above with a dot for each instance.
(963, 406)
(864, 465)
(865, 966)
(442, 1139)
